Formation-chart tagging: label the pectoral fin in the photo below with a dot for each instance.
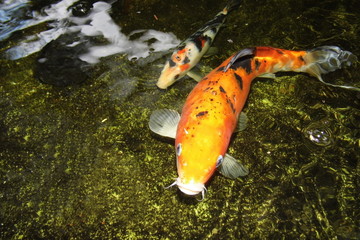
(164, 122)
(195, 74)
(242, 122)
(267, 75)
(231, 168)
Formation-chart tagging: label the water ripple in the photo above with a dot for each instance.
(319, 133)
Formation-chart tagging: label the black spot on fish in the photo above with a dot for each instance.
(220, 18)
(221, 69)
(181, 47)
(186, 60)
(201, 113)
(257, 64)
(245, 64)
(172, 63)
(198, 43)
(301, 59)
(232, 106)
(239, 79)
(212, 83)
(222, 89)
(207, 89)
(177, 76)
(279, 51)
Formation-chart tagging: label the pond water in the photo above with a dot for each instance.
(77, 158)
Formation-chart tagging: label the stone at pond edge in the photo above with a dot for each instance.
(58, 63)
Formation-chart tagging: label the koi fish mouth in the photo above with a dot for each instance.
(190, 189)
(168, 76)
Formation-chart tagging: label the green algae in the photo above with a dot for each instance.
(80, 162)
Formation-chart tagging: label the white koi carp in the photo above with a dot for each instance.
(190, 51)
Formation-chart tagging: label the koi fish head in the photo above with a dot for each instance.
(197, 161)
(175, 68)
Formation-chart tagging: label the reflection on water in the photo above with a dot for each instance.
(11, 13)
(98, 23)
(56, 15)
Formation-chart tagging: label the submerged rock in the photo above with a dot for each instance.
(58, 63)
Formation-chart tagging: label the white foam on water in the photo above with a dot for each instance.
(97, 23)
(101, 24)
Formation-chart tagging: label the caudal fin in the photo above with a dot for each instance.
(325, 59)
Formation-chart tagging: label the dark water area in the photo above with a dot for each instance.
(78, 160)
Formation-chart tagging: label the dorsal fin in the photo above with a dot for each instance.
(241, 55)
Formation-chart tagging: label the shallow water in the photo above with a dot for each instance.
(79, 162)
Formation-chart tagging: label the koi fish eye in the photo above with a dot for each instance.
(219, 160)
(178, 149)
(178, 58)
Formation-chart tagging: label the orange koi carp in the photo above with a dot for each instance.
(212, 110)
(190, 51)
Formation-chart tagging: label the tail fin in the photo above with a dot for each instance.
(232, 5)
(327, 59)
